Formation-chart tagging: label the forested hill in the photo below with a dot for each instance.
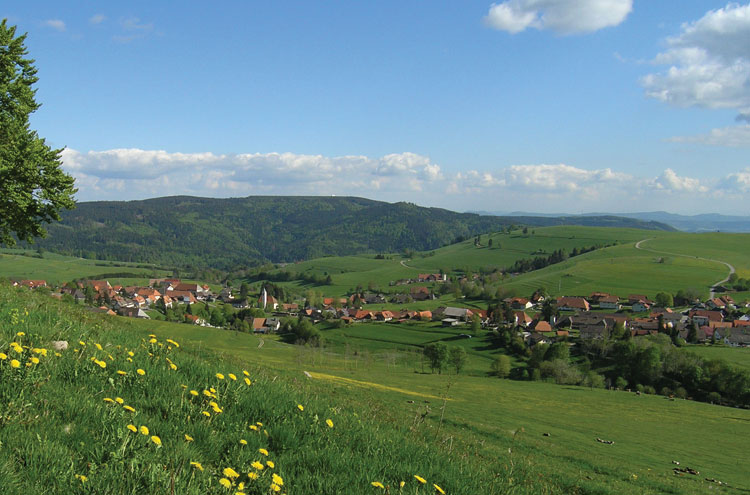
(223, 233)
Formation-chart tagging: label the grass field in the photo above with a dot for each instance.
(737, 356)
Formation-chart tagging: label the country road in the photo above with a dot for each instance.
(712, 293)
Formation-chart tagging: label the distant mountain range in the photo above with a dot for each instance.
(707, 222)
(225, 233)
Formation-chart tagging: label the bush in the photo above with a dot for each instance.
(621, 383)
(500, 366)
(680, 393)
(649, 390)
(666, 391)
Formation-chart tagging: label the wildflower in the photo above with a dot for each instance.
(244, 372)
(300, 407)
(241, 486)
(230, 473)
(153, 336)
(82, 343)
(219, 376)
(207, 393)
(130, 360)
(259, 423)
(99, 346)
(173, 366)
(107, 399)
(81, 477)
(377, 484)
(196, 465)
(272, 465)
(263, 451)
(110, 357)
(132, 428)
(194, 393)
(206, 414)
(420, 479)
(140, 371)
(58, 354)
(243, 441)
(20, 334)
(119, 400)
(3, 356)
(257, 465)
(188, 438)
(41, 352)
(156, 440)
(253, 427)
(15, 363)
(122, 373)
(34, 360)
(128, 408)
(329, 423)
(143, 429)
(217, 409)
(252, 476)
(225, 483)
(275, 487)
(440, 490)
(401, 484)
(152, 341)
(213, 390)
(248, 382)
(232, 376)
(173, 342)
(277, 479)
(102, 364)
(130, 353)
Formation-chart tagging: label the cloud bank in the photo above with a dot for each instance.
(561, 16)
(121, 174)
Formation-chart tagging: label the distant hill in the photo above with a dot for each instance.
(223, 233)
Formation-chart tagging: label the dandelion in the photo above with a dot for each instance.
(300, 407)
(329, 423)
(3, 356)
(230, 473)
(34, 360)
(206, 414)
(259, 423)
(213, 390)
(420, 479)
(20, 334)
(152, 341)
(248, 382)
(188, 438)
(197, 465)
(173, 366)
(245, 372)
(217, 409)
(219, 376)
(107, 399)
(275, 487)
(232, 377)
(41, 352)
(272, 465)
(439, 490)
(252, 476)
(257, 465)
(153, 336)
(99, 346)
(130, 360)
(173, 342)
(377, 484)
(132, 428)
(14, 363)
(253, 427)
(241, 486)
(130, 353)
(122, 373)
(119, 400)
(140, 371)
(156, 440)
(128, 408)
(144, 430)
(110, 357)
(102, 364)
(82, 343)
(225, 483)
(401, 484)
(194, 393)
(277, 479)
(243, 441)
(207, 393)
(263, 451)
(81, 477)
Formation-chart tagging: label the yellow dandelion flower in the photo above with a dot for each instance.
(439, 490)
(213, 390)
(401, 484)
(132, 428)
(230, 473)
(232, 376)
(183, 386)
(143, 429)
(28, 364)
(253, 427)
(122, 373)
(128, 408)
(241, 485)
(206, 414)
(41, 352)
(420, 479)
(110, 357)
(329, 423)
(194, 393)
(245, 372)
(219, 376)
(20, 334)
(58, 354)
(188, 438)
(34, 360)
(14, 363)
(225, 483)
(248, 382)
(130, 360)
(257, 465)
(263, 451)
(217, 409)
(107, 399)
(272, 465)
(3, 356)
(196, 465)
(102, 364)
(207, 393)
(173, 366)
(130, 353)
(377, 484)
(82, 478)
(277, 479)
(173, 342)
(119, 400)
(140, 371)
(275, 487)
(243, 441)
(152, 341)
(300, 407)
(252, 476)
(99, 346)
(259, 423)
(152, 335)
(82, 343)
(156, 440)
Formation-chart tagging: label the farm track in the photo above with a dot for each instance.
(712, 292)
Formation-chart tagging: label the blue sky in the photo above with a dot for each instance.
(535, 105)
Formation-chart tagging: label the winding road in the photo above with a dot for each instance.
(712, 293)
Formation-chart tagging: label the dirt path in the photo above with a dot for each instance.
(403, 263)
(712, 292)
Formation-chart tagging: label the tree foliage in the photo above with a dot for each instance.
(33, 186)
(437, 355)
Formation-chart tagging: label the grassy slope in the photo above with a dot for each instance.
(738, 356)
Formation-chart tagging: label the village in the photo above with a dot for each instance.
(537, 319)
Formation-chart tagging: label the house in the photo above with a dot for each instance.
(273, 324)
(520, 303)
(183, 297)
(641, 306)
(462, 314)
(265, 300)
(290, 307)
(103, 309)
(195, 320)
(737, 339)
(133, 312)
(450, 322)
(521, 319)
(374, 299)
(362, 315)
(535, 338)
(634, 298)
(384, 316)
(701, 317)
(98, 285)
(594, 331)
(609, 302)
(425, 315)
(595, 297)
(422, 294)
(540, 326)
(715, 303)
(401, 299)
(572, 304)
(432, 277)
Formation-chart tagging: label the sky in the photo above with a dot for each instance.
(550, 106)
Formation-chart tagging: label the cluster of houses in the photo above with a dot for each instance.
(421, 278)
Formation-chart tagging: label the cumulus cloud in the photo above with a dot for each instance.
(709, 62)
(561, 16)
(670, 182)
(733, 136)
(56, 24)
(738, 182)
(97, 19)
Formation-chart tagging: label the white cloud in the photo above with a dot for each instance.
(709, 62)
(670, 182)
(97, 19)
(561, 16)
(738, 182)
(56, 24)
(733, 136)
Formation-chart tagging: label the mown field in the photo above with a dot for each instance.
(738, 356)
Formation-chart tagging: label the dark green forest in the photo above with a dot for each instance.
(226, 233)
